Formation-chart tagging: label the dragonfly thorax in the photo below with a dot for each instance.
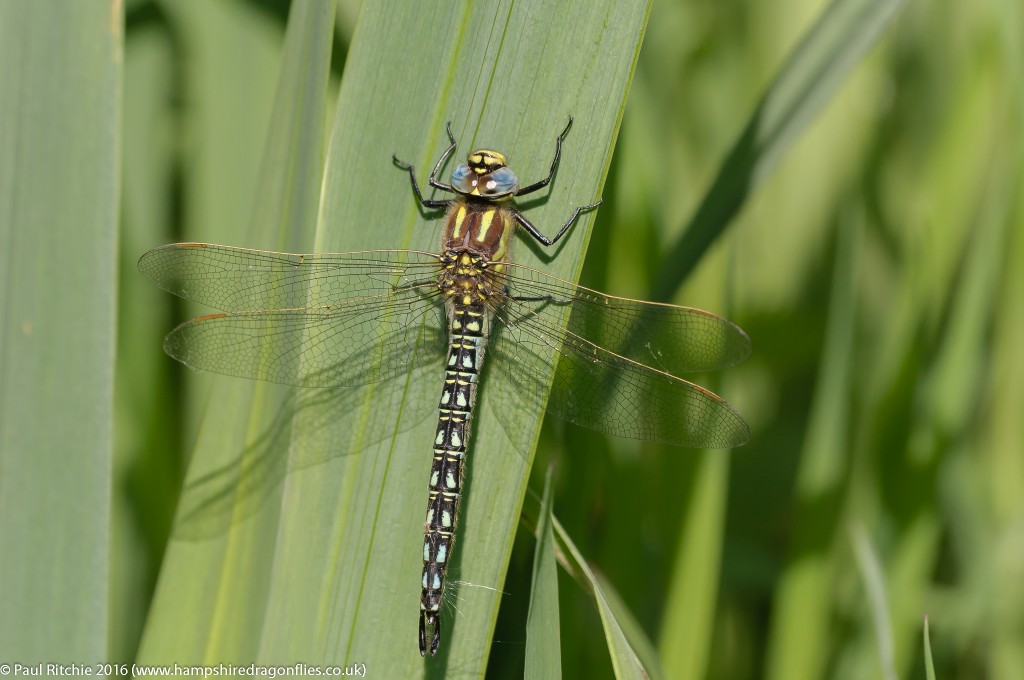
(468, 278)
(478, 228)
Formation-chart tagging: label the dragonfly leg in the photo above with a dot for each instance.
(539, 298)
(432, 180)
(535, 232)
(440, 161)
(426, 286)
(554, 164)
(425, 202)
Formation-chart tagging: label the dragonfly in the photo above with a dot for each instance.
(328, 320)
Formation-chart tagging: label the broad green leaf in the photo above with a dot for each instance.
(543, 648)
(335, 576)
(844, 33)
(148, 455)
(345, 585)
(60, 90)
(213, 586)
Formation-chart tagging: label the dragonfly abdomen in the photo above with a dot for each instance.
(466, 346)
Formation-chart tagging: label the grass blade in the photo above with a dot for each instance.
(872, 575)
(929, 665)
(632, 654)
(799, 637)
(60, 89)
(543, 648)
(842, 36)
(686, 633)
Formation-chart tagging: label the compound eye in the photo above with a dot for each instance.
(501, 182)
(462, 179)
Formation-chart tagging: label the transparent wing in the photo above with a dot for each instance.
(239, 280)
(605, 391)
(310, 428)
(666, 337)
(356, 318)
(313, 320)
(344, 345)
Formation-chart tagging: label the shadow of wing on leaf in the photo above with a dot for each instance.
(314, 426)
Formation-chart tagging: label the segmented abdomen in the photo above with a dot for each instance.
(466, 346)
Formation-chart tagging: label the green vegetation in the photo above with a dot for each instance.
(842, 180)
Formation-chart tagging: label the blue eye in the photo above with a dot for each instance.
(460, 174)
(502, 181)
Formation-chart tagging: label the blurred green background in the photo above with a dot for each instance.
(867, 234)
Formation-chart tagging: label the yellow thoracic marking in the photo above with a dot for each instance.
(499, 252)
(485, 225)
(460, 216)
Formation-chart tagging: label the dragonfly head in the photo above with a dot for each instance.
(486, 175)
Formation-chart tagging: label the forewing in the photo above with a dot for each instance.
(243, 280)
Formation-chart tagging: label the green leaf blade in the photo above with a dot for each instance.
(543, 644)
(508, 80)
(842, 36)
(213, 592)
(60, 69)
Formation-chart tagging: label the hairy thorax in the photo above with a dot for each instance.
(475, 247)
